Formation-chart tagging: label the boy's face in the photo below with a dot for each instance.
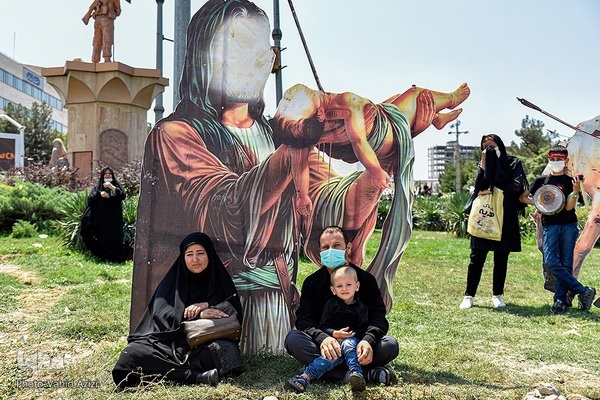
(557, 164)
(344, 287)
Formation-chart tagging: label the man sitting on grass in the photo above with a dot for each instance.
(307, 342)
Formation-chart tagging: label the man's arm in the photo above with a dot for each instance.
(308, 315)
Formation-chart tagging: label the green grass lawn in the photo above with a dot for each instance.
(64, 319)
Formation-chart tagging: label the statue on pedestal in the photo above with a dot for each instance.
(104, 13)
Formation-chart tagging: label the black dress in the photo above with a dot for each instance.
(102, 224)
(507, 174)
(157, 348)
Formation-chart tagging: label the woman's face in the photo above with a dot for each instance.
(107, 174)
(196, 259)
(489, 142)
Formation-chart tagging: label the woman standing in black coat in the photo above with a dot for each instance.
(497, 169)
(102, 223)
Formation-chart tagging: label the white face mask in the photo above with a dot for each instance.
(107, 180)
(497, 152)
(556, 166)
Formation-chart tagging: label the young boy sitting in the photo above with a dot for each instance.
(344, 318)
(560, 233)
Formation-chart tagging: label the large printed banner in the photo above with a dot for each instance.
(584, 158)
(262, 189)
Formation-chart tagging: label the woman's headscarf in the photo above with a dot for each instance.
(497, 169)
(99, 185)
(503, 171)
(180, 288)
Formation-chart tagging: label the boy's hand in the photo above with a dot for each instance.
(576, 184)
(343, 333)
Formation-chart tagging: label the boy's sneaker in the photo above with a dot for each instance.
(357, 382)
(559, 307)
(587, 298)
(378, 375)
(466, 303)
(498, 302)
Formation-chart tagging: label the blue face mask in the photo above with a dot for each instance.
(333, 258)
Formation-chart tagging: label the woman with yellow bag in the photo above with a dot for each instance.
(500, 176)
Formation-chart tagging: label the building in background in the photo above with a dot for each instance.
(441, 155)
(24, 84)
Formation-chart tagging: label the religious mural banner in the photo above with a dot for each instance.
(263, 190)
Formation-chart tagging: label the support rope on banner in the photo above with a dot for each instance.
(310, 61)
(316, 76)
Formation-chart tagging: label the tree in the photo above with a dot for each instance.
(16, 112)
(534, 146)
(533, 139)
(447, 179)
(38, 132)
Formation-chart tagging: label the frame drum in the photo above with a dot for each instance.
(549, 199)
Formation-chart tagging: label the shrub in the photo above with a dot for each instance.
(129, 217)
(129, 176)
(28, 202)
(383, 209)
(68, 224)
(72, 207)
(23, 229)
(427, 213)
(47, 176)
(452, 213)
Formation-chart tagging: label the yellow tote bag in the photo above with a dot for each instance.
(487, 216)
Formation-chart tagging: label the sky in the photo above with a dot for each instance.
(545, 51)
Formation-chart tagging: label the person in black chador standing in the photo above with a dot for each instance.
(497, 169)
(102, 222)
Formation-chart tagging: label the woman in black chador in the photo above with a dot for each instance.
(497, 169)
(102, 223)
(158, 349)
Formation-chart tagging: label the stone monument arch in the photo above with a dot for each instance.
(108, 104)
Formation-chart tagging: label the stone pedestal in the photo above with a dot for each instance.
(108, 105)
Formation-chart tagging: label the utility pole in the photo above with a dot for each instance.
(183, 11)
(457, 155)
(158, 103)
(277, 34)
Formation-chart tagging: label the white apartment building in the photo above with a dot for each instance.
(440, 155)
(24, 84)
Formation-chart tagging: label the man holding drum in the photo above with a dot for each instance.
(555, 197)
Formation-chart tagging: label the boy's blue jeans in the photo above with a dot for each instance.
(558, 247)
(321, 365)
